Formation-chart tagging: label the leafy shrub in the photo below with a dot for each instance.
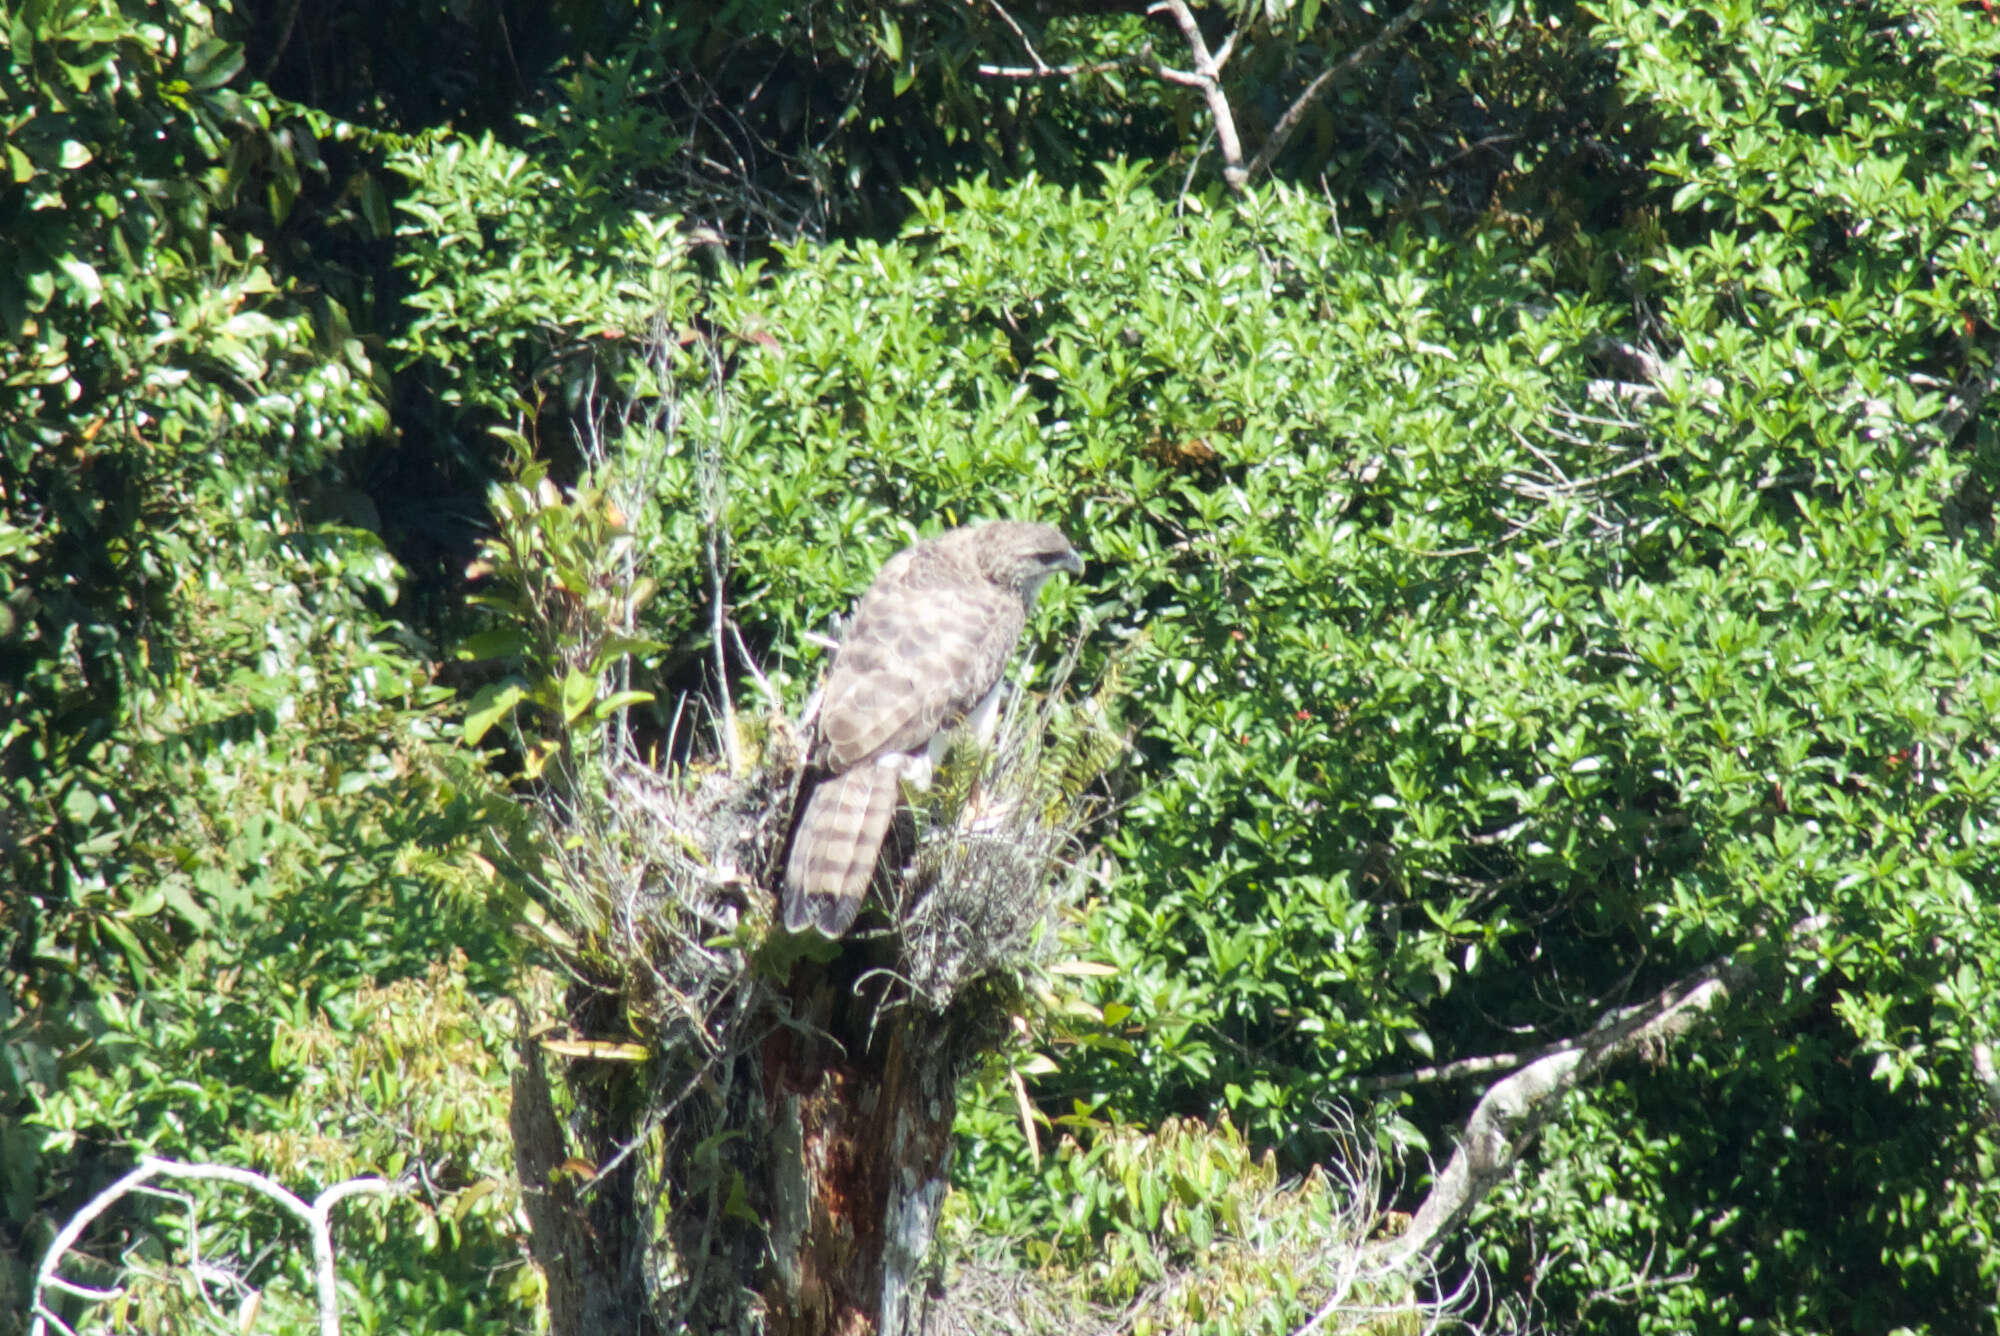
(230, 807)
(1468, 678)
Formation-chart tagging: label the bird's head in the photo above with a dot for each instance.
(1021, 556)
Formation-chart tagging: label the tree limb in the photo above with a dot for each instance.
(315, 1215)
(1288, 124)
(1447, 1071)
(1513, 1109)
(1207, 76)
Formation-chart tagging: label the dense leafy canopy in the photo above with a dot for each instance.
(1541, 547)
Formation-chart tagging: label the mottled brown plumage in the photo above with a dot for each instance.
(924, 649)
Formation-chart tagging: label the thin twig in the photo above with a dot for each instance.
(714, 483)
(1447, 1071)
(1627, 1294)
(1026, 45)
(732, 745)
(772, 701)
(1288, 124)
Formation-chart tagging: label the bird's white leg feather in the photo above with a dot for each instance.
(984, 720)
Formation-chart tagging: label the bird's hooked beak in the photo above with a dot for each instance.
(1070, 561)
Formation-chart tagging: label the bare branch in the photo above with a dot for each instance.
(712, 479)
(772, 700)
(1026, 45)
(70, 1287)
(1989, 1078)
(1288, 124)
(1207, 76)
(1512, 1110)
(1446, 1071)
(1046, 71)
(1627, 1294)
(316, 1216)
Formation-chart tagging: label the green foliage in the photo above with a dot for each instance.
(1457, 694)
(1216, 429)
(567, 266)
(819, 118)
(1820, 677)
(1515, 609)
(163, 388)
(1187, 1229)
(563, 600)
(298, 829)
(231, 805)
(403, 1079)
(1708, 1192)
(307, 832)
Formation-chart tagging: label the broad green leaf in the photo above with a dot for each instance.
(491, 704)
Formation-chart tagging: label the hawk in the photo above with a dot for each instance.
(923, 652)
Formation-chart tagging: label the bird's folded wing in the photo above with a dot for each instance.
(912, 665)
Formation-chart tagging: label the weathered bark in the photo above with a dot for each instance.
(825, 1166)
(861, 1157)
(757, 1129)
(581, 1227)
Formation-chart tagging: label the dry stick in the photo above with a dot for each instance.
(1448, 1071)
(1510, 1113)
(317, 1217)
(772, 701)
(1282, 132)
(732, 746)
(1026, 45)
(1046, 71)
(713, 482)
(1207, 76)
(1989, 1078)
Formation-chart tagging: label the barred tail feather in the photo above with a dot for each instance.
(835, 849)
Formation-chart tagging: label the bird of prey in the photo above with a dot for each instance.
(923, 654)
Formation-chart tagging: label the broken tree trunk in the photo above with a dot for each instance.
(861, 1158)
(733, 1128)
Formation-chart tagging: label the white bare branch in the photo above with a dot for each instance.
(1989, 1078)
(1512, 1110)
(1023, 72)
(1207, 76)
(315, 1215)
